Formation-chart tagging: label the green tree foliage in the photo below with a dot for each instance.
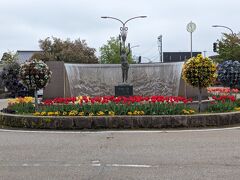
(55, 49)
(9, 57)
(110, 52)
(11, 79)
(228, 48)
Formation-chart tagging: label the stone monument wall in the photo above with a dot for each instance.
(146, 79)
(100, 80)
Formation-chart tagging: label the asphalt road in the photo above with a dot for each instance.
(120, 155)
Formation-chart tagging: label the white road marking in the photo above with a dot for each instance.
(119, 132)
(36, 165)
(67, 165)
(94, 165)
(77, 165)
(131, 165)
(95, 161)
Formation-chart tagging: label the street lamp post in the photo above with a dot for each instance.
(123, 37)
(232, 43)
(224, 27)
(123, 29)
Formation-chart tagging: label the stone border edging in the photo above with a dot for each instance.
(119, 122)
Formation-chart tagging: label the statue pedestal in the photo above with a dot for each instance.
(124, 90)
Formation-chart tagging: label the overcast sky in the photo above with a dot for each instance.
(24, 22)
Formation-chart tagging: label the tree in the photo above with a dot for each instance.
(110, 52)
(55, 49)
(11, 79)
(228, 48)
(9, 57)
(199, 72)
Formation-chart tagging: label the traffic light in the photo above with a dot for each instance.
(139, 59)
(214, 47)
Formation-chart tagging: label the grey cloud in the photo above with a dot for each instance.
(24, 22)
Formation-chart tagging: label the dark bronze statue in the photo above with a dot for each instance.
(124, 62)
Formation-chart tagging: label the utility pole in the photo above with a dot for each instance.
(204, 53)
(160, 48)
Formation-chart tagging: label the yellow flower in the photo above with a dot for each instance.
(64, 113)
(28, 99)
(190, 111)
(100, 113)
(138, 113)
(43, 113)
(237, 108)
(135, 113)
(57, 113)
(91, 114)
(73, 113)
(12, 101)
(81, 113)
(21, 100)
(37, 114)
(199, 67)
(213, 68)
(142, 113)
(111, 113)
(79, 98)
(185, 111)
(129, 113)
(51, 113)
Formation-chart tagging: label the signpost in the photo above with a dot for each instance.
(191, 27)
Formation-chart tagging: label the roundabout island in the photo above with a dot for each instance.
(109, 112)
(216, 108)
(120, 122)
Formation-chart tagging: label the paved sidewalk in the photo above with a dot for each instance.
(3, 103)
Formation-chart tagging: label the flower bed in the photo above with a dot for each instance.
(221, 90)
(119, 112)
(106, 106)
(111, 106)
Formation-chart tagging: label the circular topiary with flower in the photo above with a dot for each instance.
(199, 72)
(229, 73)
(35, 75)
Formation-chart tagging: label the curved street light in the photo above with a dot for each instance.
(123, 29)
(237, 35)
(131, 47)
(224, 27)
